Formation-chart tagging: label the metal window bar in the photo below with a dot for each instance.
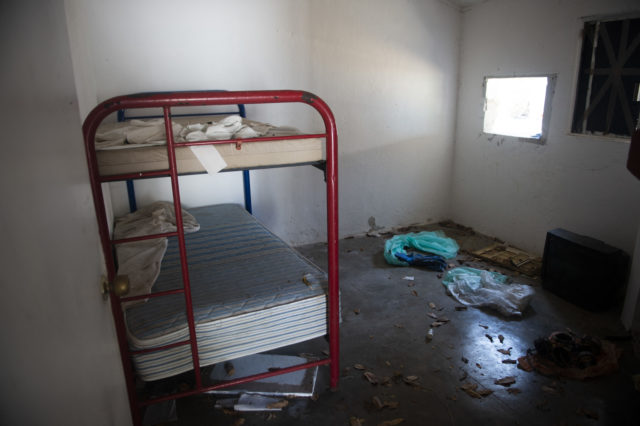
(166, 101)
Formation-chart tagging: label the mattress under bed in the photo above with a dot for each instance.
(251, 293)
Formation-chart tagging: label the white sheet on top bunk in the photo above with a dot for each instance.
(141, 260)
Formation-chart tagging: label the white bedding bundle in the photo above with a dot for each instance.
(141, 260)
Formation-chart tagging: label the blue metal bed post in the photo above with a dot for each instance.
(246, 178)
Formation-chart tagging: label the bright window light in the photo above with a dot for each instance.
(515, 106)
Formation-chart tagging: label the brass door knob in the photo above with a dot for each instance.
(120, 285)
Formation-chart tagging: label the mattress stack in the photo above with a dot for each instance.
(251, 293)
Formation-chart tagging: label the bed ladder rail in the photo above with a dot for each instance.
(166, 101)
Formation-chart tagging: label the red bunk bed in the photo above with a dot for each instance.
(206, 306)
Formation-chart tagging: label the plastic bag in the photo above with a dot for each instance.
(478, 288)
(435, 242)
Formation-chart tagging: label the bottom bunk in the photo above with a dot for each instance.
(251, 293)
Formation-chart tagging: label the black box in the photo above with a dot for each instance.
(583, 270)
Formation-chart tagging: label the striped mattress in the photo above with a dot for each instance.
(251, 293)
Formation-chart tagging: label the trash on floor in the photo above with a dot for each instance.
(472, 390)
(300, 383)
(478, 288)
(505, 381)
(252, 402)
(436, 243)
(566, 355)
(511, 258)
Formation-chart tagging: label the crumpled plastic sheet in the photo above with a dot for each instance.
(478, 288)
(435, 242)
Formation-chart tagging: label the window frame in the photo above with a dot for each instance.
(578, 69)
(546, 113)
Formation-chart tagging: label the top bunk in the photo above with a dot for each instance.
(137, 148)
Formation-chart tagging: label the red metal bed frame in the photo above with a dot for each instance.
(201, 98)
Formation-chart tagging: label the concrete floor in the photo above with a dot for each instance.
(384, 328)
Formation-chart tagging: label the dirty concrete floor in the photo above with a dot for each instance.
(384, 326)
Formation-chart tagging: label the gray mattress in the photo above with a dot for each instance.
(251, 293)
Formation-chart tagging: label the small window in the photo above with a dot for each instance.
(518, 106)
(607, 91)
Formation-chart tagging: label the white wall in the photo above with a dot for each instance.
(387, 69)
(517, 190)
(60, 362)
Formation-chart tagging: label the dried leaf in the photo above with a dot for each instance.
(478, 365)
(415, 293)
(392, 422)
(371, 377)
(501, 338)
(306, 281)
(470, 389)
(588, 413)
(509, 361)
(359, 367)
(505, 351)
(432, 315)
(514, 391)
(377, 403)
(488, 336)
(443, 319)
(432, 305)
(356, 311)
(486, 327)
(437, 324)
(355, 421)
(484, 392)
(505, 381)
(410, 379)
(278, 404)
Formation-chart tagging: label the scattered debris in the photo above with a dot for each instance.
(509, 361)
(461, 308)
(359, 367)
(355, 421)
(432, 305)
(380, 405)
(511, 258)
(505, 351)
(432, 315)
(478, 365)
(398, 325)
(472, 390)
(588, 413)
(564, 354)
(488, 336)
(278, 404)
(486, 327)
(514, 391)
(372, 378)
(408, 278)
(437, 324)
(465, 360)
(429, 336)
(415, 293)
(392, 422)
(552, 389)
(356, 311)
(505, 381)
(501, 338)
